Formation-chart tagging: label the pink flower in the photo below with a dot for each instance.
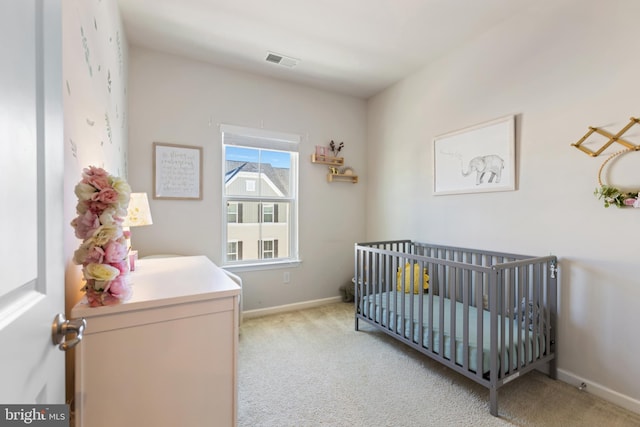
(95, 255)
(122, 266)
(119, 288)
(93, 171)
(114, 252)
(96, 207)
(107, 196)
(100, 298)
(85, 224)
(97, 177)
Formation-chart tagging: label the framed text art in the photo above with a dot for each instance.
(177, 172)
(479, 158)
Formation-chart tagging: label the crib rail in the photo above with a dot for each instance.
(488, 315)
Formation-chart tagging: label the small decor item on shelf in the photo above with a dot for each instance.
(333, 170)
(102, 206)
(347, 170)
(322, 151)
(335, 149)
(612, 195)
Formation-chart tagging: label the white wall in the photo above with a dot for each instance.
(175, 100)
(560, 68)
(95, 113)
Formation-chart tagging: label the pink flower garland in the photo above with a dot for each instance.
(102, 206)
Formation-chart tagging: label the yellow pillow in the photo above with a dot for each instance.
(416, 278)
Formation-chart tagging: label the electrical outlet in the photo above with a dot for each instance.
(285, 277)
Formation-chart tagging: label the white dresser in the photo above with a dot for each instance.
(167, 357)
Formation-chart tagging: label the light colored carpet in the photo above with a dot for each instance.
(311, 368)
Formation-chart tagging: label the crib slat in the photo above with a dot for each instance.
(423, 266)
(411, 274)
(396, 319)
(523, 321)
(516, 333)
(480, 321)
(403, 301)
(434, 268)
(441, 312)
(481, 289)
(493, 309)
(466, 295)
(388, 285)
(511, 311)
(452, 313)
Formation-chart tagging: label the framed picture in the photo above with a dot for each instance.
(479, 158)
(177, 172)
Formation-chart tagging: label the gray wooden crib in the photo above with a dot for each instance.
(487, 315)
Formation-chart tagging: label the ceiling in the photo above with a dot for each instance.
(354, 47)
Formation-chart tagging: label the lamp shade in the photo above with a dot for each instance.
(139, 212)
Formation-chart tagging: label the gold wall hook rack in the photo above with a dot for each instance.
(612, 138)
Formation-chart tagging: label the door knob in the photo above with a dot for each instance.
(61, 327)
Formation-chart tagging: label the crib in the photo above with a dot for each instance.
(487, 315)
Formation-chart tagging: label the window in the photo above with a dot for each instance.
(234, 251)
(269, 249)
(260, 195)
(232, 212)
(267, 212)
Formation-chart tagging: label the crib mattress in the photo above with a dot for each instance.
(389, 306)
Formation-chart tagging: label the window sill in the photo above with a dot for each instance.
(290, 263)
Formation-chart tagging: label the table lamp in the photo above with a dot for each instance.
(138, 214)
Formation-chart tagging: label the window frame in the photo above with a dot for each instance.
(272, 141)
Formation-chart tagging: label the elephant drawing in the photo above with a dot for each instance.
(491, 164)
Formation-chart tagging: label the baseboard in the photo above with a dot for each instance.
(289, 307)
(599, 390)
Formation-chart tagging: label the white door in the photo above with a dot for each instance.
(31, 205)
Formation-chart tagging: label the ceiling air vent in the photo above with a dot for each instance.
(282, 60)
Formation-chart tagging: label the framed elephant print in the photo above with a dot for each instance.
(479, 158)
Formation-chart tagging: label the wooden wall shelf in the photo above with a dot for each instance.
(334, 164)
(327, 160)
(340, 177)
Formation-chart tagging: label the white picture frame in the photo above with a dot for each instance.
(479, 158)
(177, 172)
